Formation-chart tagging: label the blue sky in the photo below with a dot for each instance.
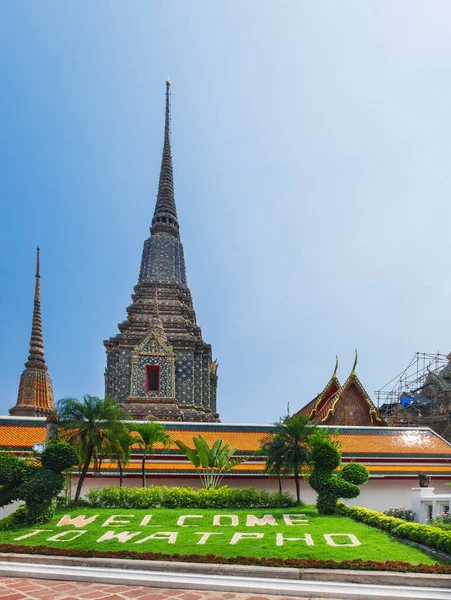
(311, 148)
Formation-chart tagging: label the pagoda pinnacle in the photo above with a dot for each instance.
(36, 358)
(35, 397)
(165, 215)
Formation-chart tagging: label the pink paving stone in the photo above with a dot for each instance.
(14, 597)
(116, 589)
(154, 597)
(115, 597)
(189, 596)
(137, 593)
(93, 594)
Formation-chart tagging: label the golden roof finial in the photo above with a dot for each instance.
(168, 83)
(334, 375)
(353, 372)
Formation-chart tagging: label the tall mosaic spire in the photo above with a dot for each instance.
(165, 215)
(35, 397)
(159, 366)
(163, 257)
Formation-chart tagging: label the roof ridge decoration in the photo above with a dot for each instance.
(328, 409)
(165, 214)
(35, 397)
(333, 385)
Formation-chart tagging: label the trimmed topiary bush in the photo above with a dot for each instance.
(37, 486)
(332, 486)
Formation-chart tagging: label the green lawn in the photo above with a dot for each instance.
(374, 544)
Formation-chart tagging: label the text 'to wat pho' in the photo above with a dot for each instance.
(159, 367)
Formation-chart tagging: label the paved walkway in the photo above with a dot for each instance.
(40, 589)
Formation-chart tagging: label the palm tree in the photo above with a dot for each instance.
(271, 449)
(118, 446)
(288, 450)
(87, 424)
(146, 435)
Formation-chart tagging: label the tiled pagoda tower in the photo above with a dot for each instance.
(35, 397)
(158, 366)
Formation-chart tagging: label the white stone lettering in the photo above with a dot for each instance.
(265, 520)
(233, 520)
(181, 520)
(169, 536)
(205, 535)
(27, 535)
(63, 536)
(123, 536)
(114, 520)
(329, 537)
(241, 536)
(307, 538)
(146, 520)
(289, 520)
(80, 521)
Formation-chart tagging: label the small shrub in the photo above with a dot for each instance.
(434, 537)
(442, 520)
(400, 513)
(59, 456)
(186, 497)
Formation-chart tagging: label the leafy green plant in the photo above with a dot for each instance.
(213, 462)
(442, 520)
(400, 513)
(146, 436)
(176, 497)
(332, 486)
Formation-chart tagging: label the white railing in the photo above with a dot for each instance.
(426, 504)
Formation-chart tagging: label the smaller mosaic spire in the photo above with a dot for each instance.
(35, 396)
(165, 215)
(36, 359)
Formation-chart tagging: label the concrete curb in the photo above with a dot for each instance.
(156, 565)
(378, 577)
(330, 575)
(217, 582)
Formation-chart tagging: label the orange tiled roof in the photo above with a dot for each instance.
(21, 436)
(355, 441)
(259, 468)
(393, 441)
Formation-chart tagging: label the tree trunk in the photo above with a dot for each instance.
(83, 473)
(298, 490)
(143, 465)
(280, 483)
(119, 462)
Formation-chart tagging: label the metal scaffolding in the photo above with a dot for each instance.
(420, 395)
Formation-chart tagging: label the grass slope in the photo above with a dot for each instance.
(374, 544)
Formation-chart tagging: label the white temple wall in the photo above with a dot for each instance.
(378, 494)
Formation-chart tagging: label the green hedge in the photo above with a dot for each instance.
(423, 534)
(177, 497)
